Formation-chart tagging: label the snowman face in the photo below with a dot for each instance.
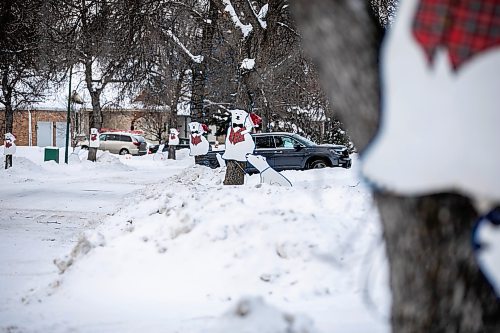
(195, 128)
(174, 131)
(239, 117)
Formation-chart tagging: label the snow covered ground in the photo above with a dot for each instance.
(132, 244)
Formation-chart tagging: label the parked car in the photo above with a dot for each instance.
(287, 151)
(120, 143)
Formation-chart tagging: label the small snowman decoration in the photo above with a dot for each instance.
(239, 142)
(198, 144)
(9, 149)
(9, 145)
(173, 137)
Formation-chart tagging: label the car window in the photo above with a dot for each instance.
(102, 137)
(139, 138)
(125, 138)
(112, 137)
(262, 142)
(285, 142)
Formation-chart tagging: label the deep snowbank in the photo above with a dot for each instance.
(185, 250)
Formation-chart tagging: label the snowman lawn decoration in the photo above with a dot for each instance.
(9, 149)
(239, 144)
(440, 84)
(198, 144)
(441, 80)
(173, 141)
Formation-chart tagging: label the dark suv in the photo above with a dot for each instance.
(286, 151)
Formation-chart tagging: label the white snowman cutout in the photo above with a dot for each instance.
(441, 102)
(173, 137)
(198, 144)
(239, 142)
(9, 145)
(94, 138)
(486, 240)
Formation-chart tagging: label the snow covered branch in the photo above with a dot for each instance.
(260, 17)
(245, 28)
(198, 59)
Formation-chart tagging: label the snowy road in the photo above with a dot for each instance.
(41, 223)
(44, 211)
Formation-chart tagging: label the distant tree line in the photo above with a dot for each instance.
(205, 55)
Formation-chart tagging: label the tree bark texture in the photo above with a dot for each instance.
(171, 152)
(92, 154)
(8, 161)
(7, 102)
(435, 281)
(172, 120)
(199, 70)
(235, 174)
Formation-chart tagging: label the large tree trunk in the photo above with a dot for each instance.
(435, 281)
(8, 161)
(235, 174)
(95, 100)
(200, 69)
(96, 120)
(9, 113)
(7, 101)
(171, 153)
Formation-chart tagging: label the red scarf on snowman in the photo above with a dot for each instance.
(463, 27)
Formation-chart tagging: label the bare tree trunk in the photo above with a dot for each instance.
(171, 153)
(172, 121)
(8, 161)
(200, 69)
(9, 113)
(96, 120)
(7, 101)
(435, 281)
(235, 174)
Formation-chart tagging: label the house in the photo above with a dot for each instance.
(47, 126)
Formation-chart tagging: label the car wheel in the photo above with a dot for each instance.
(318, 164)
(124, 151)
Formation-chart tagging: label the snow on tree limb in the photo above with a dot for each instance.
(245, 28)
(248, 64)
(260, 17)
(198, 59)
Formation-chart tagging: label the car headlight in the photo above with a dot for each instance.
(336, 152)
(340, 151)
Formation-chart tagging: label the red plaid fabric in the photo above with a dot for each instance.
(235, 137)
(464, 27)
(195, 140)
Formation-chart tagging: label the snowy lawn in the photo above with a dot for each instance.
(132, 244)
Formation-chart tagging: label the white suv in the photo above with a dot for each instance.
(120, 143)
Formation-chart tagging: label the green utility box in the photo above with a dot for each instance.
(51, 154)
